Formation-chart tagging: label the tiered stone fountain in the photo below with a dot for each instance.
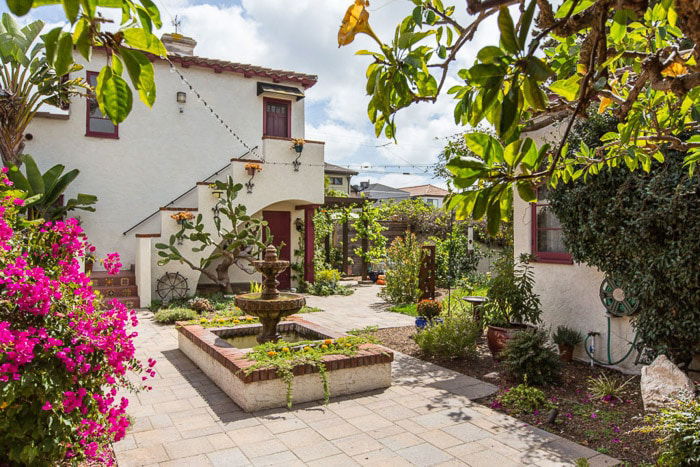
(271, 305)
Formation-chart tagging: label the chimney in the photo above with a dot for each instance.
(178, 44)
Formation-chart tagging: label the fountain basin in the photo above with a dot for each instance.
(270, 311)
(262, 388)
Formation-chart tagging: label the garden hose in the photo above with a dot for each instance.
(589, 352)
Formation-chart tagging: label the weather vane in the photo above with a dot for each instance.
(177, 22)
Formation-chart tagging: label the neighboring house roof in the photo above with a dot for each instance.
(247, 71)
(336, 169)
(379, 191)
(425, 190)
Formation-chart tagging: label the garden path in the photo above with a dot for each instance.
(362, 308)
(425, 418)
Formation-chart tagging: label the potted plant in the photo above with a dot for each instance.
(566, 339)
(513, 305)
(89, 262)
(298, 144)
(430, 309)
(182, 216)
(252, 167)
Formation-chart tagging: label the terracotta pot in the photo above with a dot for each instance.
(497, 337)
(566, 352)
(88, 267)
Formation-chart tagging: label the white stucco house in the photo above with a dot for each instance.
(570, 293)
(161, 161)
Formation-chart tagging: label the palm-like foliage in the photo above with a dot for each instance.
(26, 83)
(44, 190)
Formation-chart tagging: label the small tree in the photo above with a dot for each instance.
(369, 232)
(239, 239)
(403, 270)
(26, 83)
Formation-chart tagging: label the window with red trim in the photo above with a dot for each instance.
(547, 235)
(277, 118)
(97, 124)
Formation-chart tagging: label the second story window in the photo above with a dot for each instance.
(336, 180)
(547, 235)
(97, 124)
(277, 118)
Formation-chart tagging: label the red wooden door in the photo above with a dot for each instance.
(280, 223)
(277, 121)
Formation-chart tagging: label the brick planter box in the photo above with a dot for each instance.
(261, 389)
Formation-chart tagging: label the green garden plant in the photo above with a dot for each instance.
(454, 338)
(678, 429)
(403, 268)
(529, 357)
(453, 259)
(171, 315)
(200, 305)
(27, 82)
(368, 231)
(555, 61)
(512, 299)
(431, 309)
(608, 389)
(326, 283)
(524, 399)
(238, 237)
(43, 191)
(641, 229)
(565, 335)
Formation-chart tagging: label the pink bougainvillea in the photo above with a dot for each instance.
(65, 359)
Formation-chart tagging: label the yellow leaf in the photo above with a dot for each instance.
(581, 68)
(604, 103)
(674, 69)
(355, 21)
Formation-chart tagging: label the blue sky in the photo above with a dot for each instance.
(301, 35)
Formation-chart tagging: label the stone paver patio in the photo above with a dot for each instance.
(362, 308)
(426, 418)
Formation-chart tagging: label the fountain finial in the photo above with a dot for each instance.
(270, 253)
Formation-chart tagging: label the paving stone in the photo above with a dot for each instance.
(140, 424)
(160, 420)
(187, 447)
(251, 434)
(193, 461)
(424, 454)
(221, 441)
(299, 438)
(159, 436)
(282, 426)
(401, 440)
(381, 457)
(439, 439)
(333, 428)
(126, 443)
(467, 432)
(357, 444)
(318, 450)
(228, 458)
(488, 458)
(373, 421)
(496, 446)
(602, 460)
(464, 450)
(384, 431)
(338, 460)
(443, 418)
(142, 456)
(569, 449)
(262, 448)
(286, 458)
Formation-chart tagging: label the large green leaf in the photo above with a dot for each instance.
(525, 21)
(64, 54)
(19, 7)
(143, 40)
(60, 186)
(567, 88)
(140, 71)
(113, 95)
(505, 24)
(36, 181)
(485, 146)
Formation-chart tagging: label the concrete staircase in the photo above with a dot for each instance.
(121, 286)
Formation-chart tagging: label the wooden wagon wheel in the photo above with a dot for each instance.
(172, 286)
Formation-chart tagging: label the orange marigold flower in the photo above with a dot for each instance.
(328, 341)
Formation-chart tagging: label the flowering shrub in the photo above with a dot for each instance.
(429, 308)
(62, 359)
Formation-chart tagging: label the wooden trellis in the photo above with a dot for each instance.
(426, 277)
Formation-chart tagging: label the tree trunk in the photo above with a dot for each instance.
(222, 275)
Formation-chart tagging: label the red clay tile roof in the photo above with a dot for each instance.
(425, 190)
(248, 71)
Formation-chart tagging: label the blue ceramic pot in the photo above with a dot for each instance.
(421, 322)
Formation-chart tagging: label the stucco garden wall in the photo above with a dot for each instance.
(160, 152)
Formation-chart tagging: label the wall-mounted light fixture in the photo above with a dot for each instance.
(299, 224)
(181, 98)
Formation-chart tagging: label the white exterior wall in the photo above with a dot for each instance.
(569, 293)
(160, 152)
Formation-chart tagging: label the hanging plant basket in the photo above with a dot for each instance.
(298, 145)
(252, 168)
(182, 216)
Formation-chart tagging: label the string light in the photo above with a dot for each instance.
(215, 114)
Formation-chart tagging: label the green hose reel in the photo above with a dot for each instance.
(614, 299)
(617, 304)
